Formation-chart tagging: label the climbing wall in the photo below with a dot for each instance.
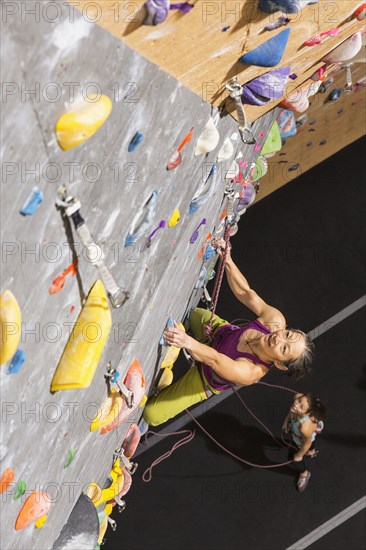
(202, 49)
(45, 437)
(326, 127)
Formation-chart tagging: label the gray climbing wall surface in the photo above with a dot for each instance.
(46, 65)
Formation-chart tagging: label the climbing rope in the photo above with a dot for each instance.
(233, 454)
(147, 475)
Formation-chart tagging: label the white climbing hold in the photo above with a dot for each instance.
(208, 140)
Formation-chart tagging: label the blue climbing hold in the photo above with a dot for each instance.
(143, 220)
(209, 252)
(335, 94)
(286, 6)
(137, 138)
(287, 124)
(270, 53)
(16, 362)
(170, 324)
(32, 203)
(204, 192)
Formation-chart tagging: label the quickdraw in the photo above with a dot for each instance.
(246, 133)
(71, 207)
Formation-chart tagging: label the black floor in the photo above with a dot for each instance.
(302, 250)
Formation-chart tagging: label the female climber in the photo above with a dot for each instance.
(237, 356)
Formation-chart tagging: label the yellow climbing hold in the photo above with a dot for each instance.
(167, 364)
(94, 492)
(143, 401)
(40, 522)
(174, 218)
(108, 509)
(98, 495)
(109, 411)
(10, 326)
(166, 378)
(86, 342)
(82, 121)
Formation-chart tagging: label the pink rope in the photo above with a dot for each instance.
(276, 386)
(283, 442)
(256, 417)
(147, 475)
(233, 454)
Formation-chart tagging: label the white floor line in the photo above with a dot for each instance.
(197, 411)
(337, 318)
(329, 525)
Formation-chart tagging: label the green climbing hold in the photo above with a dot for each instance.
(273, 142)
(20, 490)
(70, 458)
(258, 169)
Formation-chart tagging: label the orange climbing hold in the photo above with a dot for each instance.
(59, 283)
(35, 507)
(6, 479)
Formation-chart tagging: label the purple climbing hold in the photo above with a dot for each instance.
(266, 87)
(225, 29)
(293, 76)
(293, 167)
(196, 232)
(157, 11)
(184, 7)
(323, 142)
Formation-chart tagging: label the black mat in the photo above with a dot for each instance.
(302, 250)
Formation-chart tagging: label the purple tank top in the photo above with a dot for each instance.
(226, 341)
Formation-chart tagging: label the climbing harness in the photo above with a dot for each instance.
(72, 207)
(246, 133)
